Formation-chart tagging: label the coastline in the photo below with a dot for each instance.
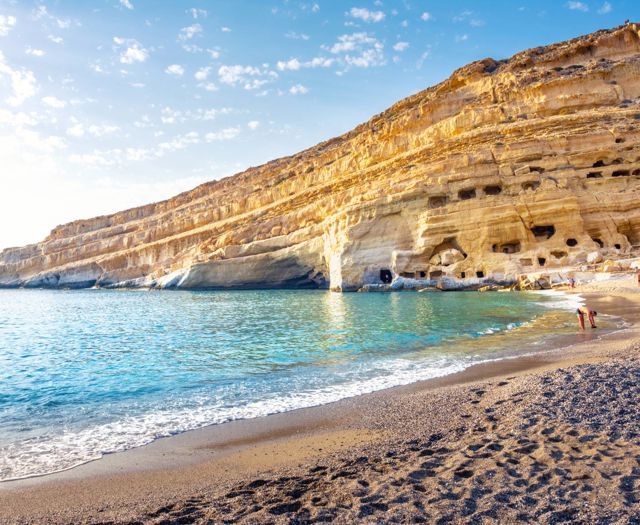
(206, 464)
(500, 342)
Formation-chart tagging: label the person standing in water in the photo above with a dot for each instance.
(585, 310)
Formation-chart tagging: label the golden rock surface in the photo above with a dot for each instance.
(504, 168)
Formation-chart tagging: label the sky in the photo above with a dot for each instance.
(110, 104)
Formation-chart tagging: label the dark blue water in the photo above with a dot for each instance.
(83, 373)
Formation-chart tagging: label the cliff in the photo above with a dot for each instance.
(505, 167)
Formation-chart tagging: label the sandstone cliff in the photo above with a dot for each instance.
(506, 167)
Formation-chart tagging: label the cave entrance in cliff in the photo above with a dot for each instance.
(507, 247)
(542, 233)
(450, 243)
(386, 276)
(631, 232)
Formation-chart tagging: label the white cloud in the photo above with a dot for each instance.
(225, 134)
(180, 142)
(62, 23)
(56, 39)
(208, 86)
(202, 74)
(126, 3)
(298, 89)
(358, 50)
(605, 8)
(34, 52)
(213, 53)
(296, 36)
(134, 51)
(102, 130)
(40, 12)
(426, 16)
(187, 33)
(175, 69)
(54, 102)
(292, 65)
(225, 29)
(249, 76)
(7, 22)
(315, 8)
(23, 82)
(172, 116)
(462, 38)
(320, 62)
(197, 13)
(577, 6)
(400, 46)
(77, 130)
(16, 120)
(368, 16)
(253, 124)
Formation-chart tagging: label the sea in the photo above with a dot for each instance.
(84, 373)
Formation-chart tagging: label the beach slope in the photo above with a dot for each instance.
(553, 438)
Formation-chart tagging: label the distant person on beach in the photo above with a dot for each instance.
(572, 283)
(585, 310)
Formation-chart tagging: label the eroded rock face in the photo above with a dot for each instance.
(503, 168)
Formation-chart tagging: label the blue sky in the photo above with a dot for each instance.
(109, 104)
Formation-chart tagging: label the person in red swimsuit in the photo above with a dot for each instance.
(585, 310)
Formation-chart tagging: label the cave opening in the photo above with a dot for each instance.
(493, 190)
(507, 247)
(617, 246)
(479, 274)
(542, 233)
(463, 275)
(531, 185)
(599, 164)
(636, 172)
(594, 175)
(542, 261)
(572, 242)
(449, 243)
(438, 201)
(598, 242)
(435, 274)
(559, 254)
(621, 173)
(464, 195)
(422, 274)
(386, 276)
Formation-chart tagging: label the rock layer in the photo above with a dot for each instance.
(505, 167)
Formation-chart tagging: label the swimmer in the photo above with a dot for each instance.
(585, 310)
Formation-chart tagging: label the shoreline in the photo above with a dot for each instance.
(482, 369)
(210, 460)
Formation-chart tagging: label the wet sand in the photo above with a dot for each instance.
(551, 438)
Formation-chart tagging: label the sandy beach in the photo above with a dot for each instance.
(551, 438)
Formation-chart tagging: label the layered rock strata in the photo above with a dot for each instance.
(506, 167)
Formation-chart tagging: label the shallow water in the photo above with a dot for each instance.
(83, 373)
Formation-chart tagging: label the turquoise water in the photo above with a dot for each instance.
(84, 373)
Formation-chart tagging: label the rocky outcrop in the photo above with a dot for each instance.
(506, 167)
